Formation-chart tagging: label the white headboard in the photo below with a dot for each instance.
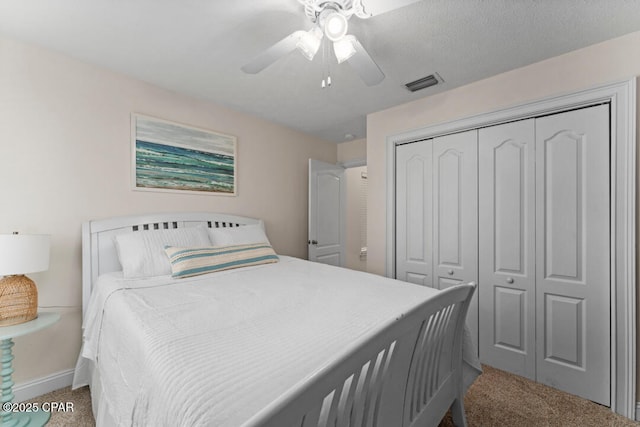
(99, 253)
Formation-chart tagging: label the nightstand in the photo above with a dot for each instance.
(7, 333)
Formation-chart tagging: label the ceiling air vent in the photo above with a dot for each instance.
(424, 82)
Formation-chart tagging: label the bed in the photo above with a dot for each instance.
(284, 342)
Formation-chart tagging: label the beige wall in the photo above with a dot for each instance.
(356, 199)
(606, 62)
(65, 159)
(352, 150)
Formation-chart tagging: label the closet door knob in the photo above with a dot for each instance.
(509, 279)
(450, 272)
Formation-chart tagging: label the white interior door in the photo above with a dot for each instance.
(506, 214)
(455, 215)
(413, 213)
(573, 252)
(327, 208)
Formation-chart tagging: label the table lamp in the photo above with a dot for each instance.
(20, 254)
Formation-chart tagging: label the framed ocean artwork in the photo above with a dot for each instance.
(174, 157)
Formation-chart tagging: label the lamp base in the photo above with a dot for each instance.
(18, 300)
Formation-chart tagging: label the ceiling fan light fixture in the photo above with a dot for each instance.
(335, 26)
(309, 43)
(344, 48)
(330, 18)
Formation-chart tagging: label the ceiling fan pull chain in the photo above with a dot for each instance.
(326, 78)
(326, 57)
(324, 83)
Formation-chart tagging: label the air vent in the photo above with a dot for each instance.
(424, 82)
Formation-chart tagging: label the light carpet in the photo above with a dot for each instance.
(496, 399)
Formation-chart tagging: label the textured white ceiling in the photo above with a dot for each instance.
(197, 47)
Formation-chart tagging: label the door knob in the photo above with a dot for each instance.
(509, 279)
(450, 272)
(313, 242)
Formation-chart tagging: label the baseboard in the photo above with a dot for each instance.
(43, 385)
(637, 411)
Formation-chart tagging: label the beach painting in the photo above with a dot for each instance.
(168, 156)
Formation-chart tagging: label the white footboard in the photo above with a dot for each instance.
(409, 374)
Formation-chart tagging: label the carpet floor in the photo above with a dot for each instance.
(496, 399)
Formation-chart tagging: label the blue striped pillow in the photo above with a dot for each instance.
(186, 262)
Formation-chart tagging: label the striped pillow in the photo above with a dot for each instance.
(186, 262)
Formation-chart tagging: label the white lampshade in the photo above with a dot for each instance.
(344, 48)
(309, 43)
(23, 253)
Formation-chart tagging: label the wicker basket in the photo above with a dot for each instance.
(18, 300)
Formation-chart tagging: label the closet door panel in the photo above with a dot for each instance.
(455, 214)
(506, 186)
(413, 213)
(573, 252)
(455, 199)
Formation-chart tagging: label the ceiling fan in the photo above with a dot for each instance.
(331, 21)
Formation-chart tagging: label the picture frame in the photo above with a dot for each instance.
(179, 158)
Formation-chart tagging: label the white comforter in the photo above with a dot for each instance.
(214, 349)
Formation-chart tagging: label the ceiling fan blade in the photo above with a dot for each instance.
(377, 7)
(272, 54)
(365, 66)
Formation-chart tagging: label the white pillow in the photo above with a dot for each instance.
(243, 235)
(141, 253)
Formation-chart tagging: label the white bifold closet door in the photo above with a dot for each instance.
(414, 248)
(506, 185)
(455, 215)
(573, 265)
(436, 214)
(544, 240)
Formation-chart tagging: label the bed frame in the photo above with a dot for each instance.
(99, 254)
(407, 374)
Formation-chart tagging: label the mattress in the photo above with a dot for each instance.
(215, 349)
